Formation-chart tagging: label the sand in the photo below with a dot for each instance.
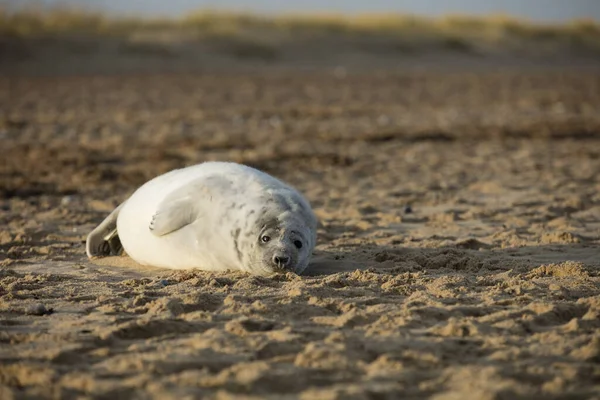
(459, 238)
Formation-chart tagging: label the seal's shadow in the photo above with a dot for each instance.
(451, 259)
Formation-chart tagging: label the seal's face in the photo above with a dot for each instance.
(283, 248)
(280, 246)
(278, 234)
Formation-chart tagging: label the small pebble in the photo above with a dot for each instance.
(39, 309)
(164, 282)
(66, 200)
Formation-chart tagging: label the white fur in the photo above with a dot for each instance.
(204, 243)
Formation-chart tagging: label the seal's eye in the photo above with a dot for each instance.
(265, 238)
(298, 244)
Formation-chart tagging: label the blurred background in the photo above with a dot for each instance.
(450, 147)
(109, 35)
(540, 10)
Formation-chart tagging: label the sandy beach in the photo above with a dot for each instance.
(458, 250)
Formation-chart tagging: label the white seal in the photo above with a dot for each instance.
(214, 216)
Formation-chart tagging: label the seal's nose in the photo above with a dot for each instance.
(281, 261)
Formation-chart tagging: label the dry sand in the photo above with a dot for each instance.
(458, 256)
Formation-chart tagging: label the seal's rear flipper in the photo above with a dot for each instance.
(104, 239)
(114, 243)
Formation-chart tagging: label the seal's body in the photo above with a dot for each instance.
(214, 216)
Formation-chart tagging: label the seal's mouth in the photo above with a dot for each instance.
(269, 269)
(283, 270)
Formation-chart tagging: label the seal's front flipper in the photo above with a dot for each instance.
(104, 240)
(189, 203)
(182, 207)
(173, 214)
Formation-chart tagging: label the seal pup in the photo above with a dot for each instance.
(214, 216)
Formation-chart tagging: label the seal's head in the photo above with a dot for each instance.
(281, 238)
